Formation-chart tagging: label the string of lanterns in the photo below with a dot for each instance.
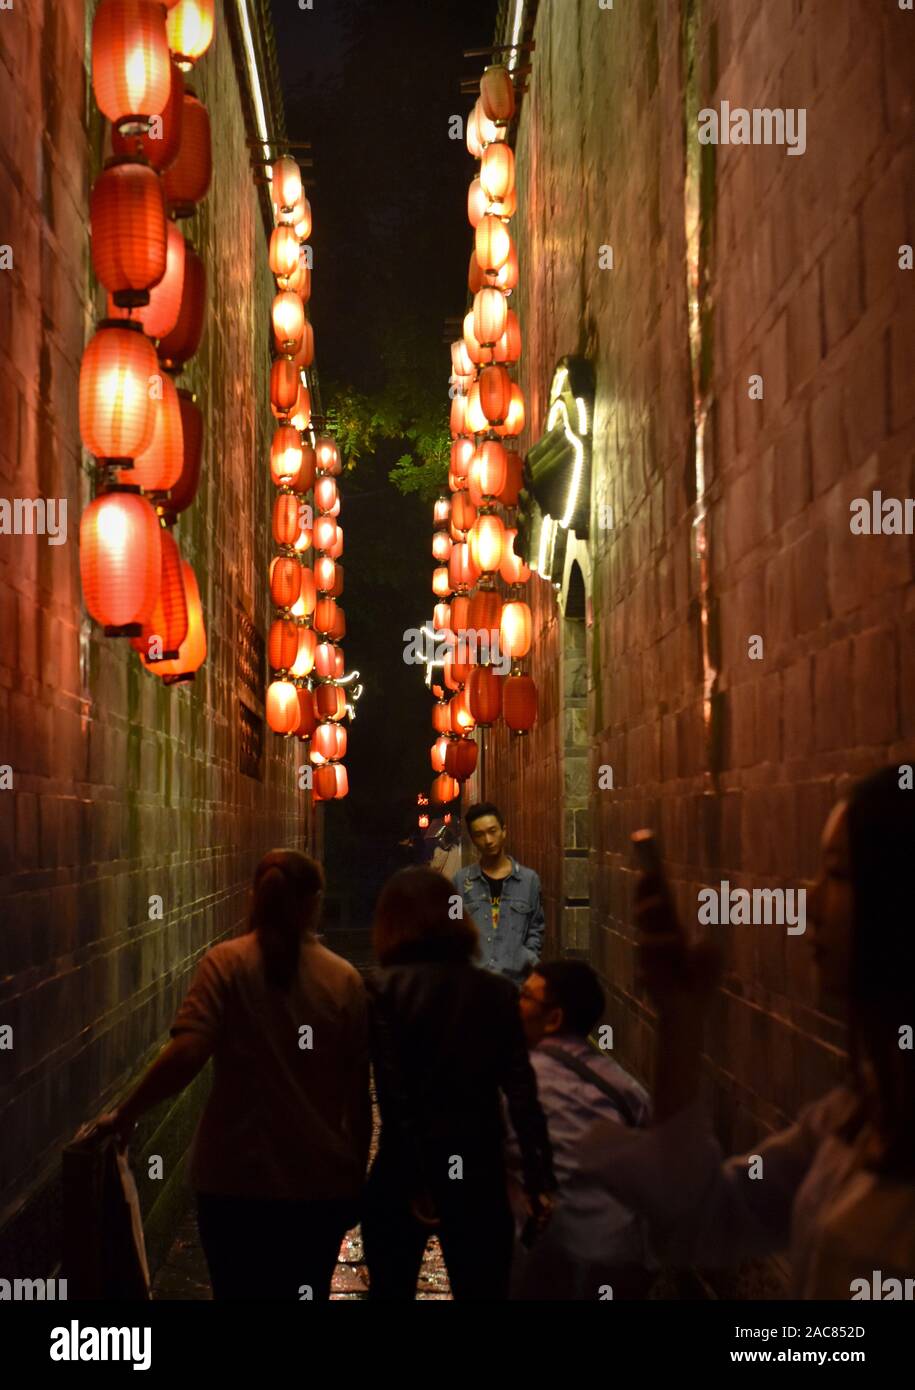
(473, 537)
(145, 432)
(306, 698)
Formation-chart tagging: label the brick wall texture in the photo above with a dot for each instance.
(801, 284)
(122, 788)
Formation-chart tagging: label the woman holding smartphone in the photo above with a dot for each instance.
(837, 1188)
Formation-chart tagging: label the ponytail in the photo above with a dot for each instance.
(287, 884)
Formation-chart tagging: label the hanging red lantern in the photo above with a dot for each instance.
(184, 490)
(288, 316)
(284, 386)
(475, 277)
(120, 561)
(165, 630)
(461, 758)
(286, 186)
(300, 414)
(284, 253)
(488, 471)
(116, 416)
(497, 171)
(282, 644)
(187, 180)
(484, 696)
(159, 467)
(462, 451)
(304, 480)
(487, 542)
(193, 650)
(441, 717)
(285, 581)
(325, 533)
(307, 718)
(485, 618)
(306, 353)
(326, 660)
(510, 493)
(492, 244)
(458, 420)
(439, 749)
(490, 132)
(130, 61)
(490, 317)
(330, 702)
(329, 460)
(460, 613)
(299, 280)
(508, 348)
(283, 711)
(441, 511)
(505, 207)
(463, 514)
(462, 721)
(515, 419)
(441, 617)
(127, 222)
(190, 26)
(325, 782)
(179, 346)
(497, 94)
(445, 790)
(301, 217)
(463, 572)
(519, 703)
(516, 630)
(477, 203)
(475, 418)
(475, 351)
(160, 315)
(305, 604)
(474, 143)
(286, 455)
(441, 584)
(513, 569)
(507, 278)
(325, 574)
(441, 547)
(160, 143)
(304, 662)
(326, 616)
(455, 672)
(495, 394)
(286, 527)
(330, 741)
(326, 494)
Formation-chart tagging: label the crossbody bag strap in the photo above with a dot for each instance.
(619, 1098)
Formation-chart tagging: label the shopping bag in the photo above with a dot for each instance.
(104, 1253)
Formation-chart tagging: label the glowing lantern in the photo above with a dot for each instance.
(495, 394)
(336, 550)
(460, 613)
(188, 178)
(441, 584)
(325, 782)
(507, 278)
(159, 466)
(490, 317)
(284, 386)
(330, 741)
(325, 533)
(497, 94)
(282, 707)
(489, 132)
(519, 703)
(330, 702)
(184, 490)
(329, 460)
(488, 471)
(484, 696)
(288, 315)
(475, 351)
(190, 31)
(475, 418)
(306, 353)
(160, 316)
(492, 245)
(475, 277)
(485, 616)
(441, 547)
(120, 561)
(178, 346)
(477, 203)
(286, 526)
(441, 717)
(441, 617)
(300, 414)
(516, 628)
(193, 650)
(304, 662)
(441, 512)
(284, 253)
(439, 748)
(462, 721)
(508, 348)
(326, 660)
(445, 789)
(497, 171)
(300, 280)
(463, 513)
(325, 494)
(301, 217)
(461, 458)
(463, 572)
(131, 74)
(474, 143)
(326, 616)
(461, 758)
(487, 541)
(505, 207)
(127, 217)
(286, 453)
(307, 720)
(458, 416)
(282, 644)
(116, 416)
(513, 569)
(159, 145)
(514, 421)
(285, 581)
(162, 635)
(450, 676)
(287, 185)
(305, 478)
(514, 480)
(325, 574)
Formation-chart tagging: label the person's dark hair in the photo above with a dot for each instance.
(284, 902)
(481, 809)
(881, 987)
(572, 986)
(415, 920)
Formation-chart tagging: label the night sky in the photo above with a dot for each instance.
(372, 86)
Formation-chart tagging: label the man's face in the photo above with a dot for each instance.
(488, 837)
(539, 1017)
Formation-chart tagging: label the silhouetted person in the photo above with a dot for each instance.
(281, 1150)
(446, 1040)
(502, 896)
(837, 1188)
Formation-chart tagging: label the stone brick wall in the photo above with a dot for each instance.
(122, 788)
(796, 258)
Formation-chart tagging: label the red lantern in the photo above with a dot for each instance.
(495, 394)
(326, 616)
(329, 741)
(286, 455)
(342, 777)
(284, 386)
(515, 419)
(474, 143)
(127, 217)
(492, 244)
(131, 74)
(329, 460)
(490, 316)
(116, 416)
(283, 712)
(304, 662)
(515, 630)
(307, 720)
(325, 533)
(507, 278)
(288, 315)
(159, 466)
(441, 617)
(439, 748)
(463, 514)
(497, 171)
(462, 721)
(519, 703)
(330, 702)
(286, 526)
(282, 644)
(441, 547)
(441, 717)
(158, 145)
(489, 470)
(475, 351)
(190, 31)
(487, 541)
(476, 420)
(458, 416)
(325, 574)
(484, 696)
(284, 253)
(160, 315)
(508, 348)
(306, 353)
(477, 203)
(120, 561)
(326, 660)
(300, 414)
(184, 491)
(513, 569)
(489, 131)
(161, 637)
(497, 94)
(325, 494)
(463, 572)
(461, 458)
(193, 650)
(461, 758)
(187, 180)
(485, 616)
(305, 604)
(514, 479)
(441, 512)
(441, 584)
(445, 789)
(285, 581)
(300, 280)
(460, 613)
(301, 218)
(287, 186)
(178, 346)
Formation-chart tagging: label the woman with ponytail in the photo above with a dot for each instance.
(281, 1150)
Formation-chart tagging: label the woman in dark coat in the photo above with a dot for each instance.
(446, 1042)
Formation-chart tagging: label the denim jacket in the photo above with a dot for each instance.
(513, 948)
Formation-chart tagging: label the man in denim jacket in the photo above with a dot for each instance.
(502, 897)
